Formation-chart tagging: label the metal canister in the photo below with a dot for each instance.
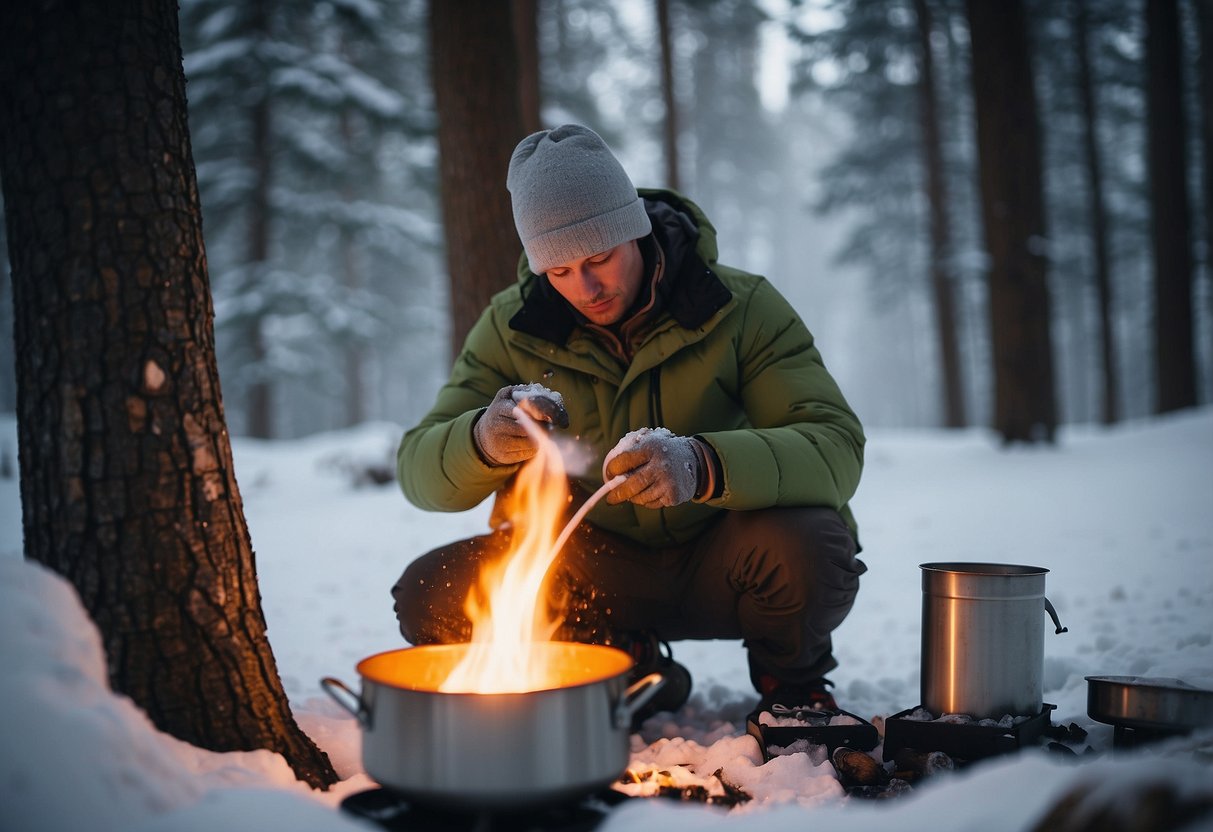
(983, 638)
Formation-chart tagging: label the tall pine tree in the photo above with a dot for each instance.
(127, 482)
(1012, 199)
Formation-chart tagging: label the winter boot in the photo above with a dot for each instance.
(786, 697)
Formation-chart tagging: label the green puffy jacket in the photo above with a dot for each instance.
(728, 360)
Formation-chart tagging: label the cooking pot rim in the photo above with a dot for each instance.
(1150, 703)
(1150, 683)
(983, 568)
(606, 650)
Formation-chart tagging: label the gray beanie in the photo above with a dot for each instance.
(571, 197)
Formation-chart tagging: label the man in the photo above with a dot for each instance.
(733, 520)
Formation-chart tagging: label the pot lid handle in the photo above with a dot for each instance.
(1056, 621)
(635, 697)
(343, 696)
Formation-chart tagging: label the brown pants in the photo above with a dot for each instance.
(781, 579)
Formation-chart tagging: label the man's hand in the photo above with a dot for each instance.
(501, 438)
(663, 469)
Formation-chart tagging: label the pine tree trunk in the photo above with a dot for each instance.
(1204, 18)
(526, 42)
(670, 127)
(1012, 210)
(354, 354)
(127, 483)
(260, 394)
(941, 228)
(351, 279)
(1098, 218)
(475, 77)
(1170, 216)
(8, 381)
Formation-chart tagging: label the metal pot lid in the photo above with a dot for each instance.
(1154, 703)
(1148, 682)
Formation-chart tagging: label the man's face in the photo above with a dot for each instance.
(602, 286)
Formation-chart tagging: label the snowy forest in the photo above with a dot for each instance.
(991, 215)
(838, 147)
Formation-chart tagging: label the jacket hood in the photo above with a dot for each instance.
(691, 290)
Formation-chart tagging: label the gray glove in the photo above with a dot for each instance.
(663, 469)
(500, 437)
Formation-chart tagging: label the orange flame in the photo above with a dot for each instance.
(508, 610)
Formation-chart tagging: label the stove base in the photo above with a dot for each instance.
(861, 735)
(961, 741)
(392, 811)
(1126, 737)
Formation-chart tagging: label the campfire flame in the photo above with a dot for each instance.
(507, 609)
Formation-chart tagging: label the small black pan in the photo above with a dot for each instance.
(1155, 704)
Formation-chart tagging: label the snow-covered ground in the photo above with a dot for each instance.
(1122, 518)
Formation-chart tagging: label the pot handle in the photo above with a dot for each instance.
(635, 698)
(1056, 621)
(340, 693)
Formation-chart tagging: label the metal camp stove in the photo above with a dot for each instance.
(966, 741)
(1126, 737)
(814, 727)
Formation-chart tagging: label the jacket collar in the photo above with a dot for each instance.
(690, 291)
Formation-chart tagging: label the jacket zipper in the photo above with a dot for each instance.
(656, 418)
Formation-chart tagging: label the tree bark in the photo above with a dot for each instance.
(1204, 19)
(8, 381)
(475, 77)
(351, 278)
(941, 228)
(260, 393)
(1098, 218)
(526, 41)
(1012, 209)
(1170, 215)
(670, 128)
(127, 483)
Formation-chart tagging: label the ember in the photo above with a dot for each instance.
(681, 783)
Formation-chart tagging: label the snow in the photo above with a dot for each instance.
(1121, 517)
(800, 717)
(634, 439)
(534, 390)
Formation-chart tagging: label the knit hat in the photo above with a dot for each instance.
(571, 197)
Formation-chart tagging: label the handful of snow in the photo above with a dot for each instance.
(541, 404)
(631, 440)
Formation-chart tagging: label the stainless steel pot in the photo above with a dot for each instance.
(497, 749)
(983, 638)
(1154, 704)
